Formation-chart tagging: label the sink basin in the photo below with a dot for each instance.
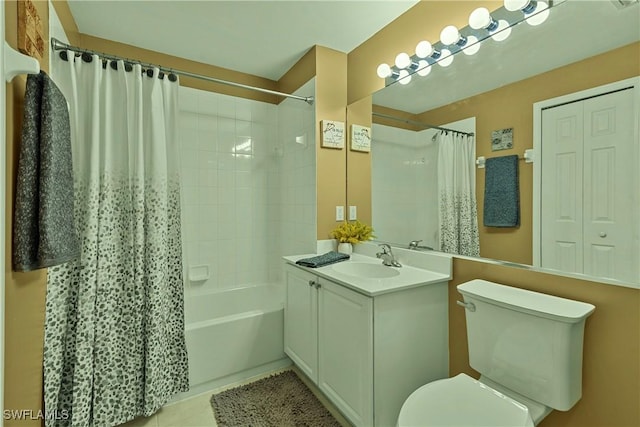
(366, 270)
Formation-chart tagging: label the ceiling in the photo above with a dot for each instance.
(263, 38)
(575, 30)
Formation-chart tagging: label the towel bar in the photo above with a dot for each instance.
(527, 157)
(16, 63)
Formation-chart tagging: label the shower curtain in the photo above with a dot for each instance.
(114, 331)
(458, 211)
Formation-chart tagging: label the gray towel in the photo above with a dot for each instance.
(324, 259)
(44, 232)
(501, 192)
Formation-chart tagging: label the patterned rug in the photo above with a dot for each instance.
(279, 400)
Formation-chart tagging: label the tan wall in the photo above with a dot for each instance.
(359, 163)
(331, 103)
(24, 292)
(611, 367)
(512, 106)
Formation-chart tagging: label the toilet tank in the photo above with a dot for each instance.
(526, 341)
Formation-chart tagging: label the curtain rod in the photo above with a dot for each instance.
(58, 45)
(413, 122)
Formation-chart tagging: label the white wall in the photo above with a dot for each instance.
(404, 183)
(248, 187)
(296, 163)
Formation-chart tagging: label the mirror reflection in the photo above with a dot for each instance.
(495, 94)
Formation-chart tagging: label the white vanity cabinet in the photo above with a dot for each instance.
(366, 353)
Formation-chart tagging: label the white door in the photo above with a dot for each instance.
(345, 347)
(590, 189)
(301, 321)
(561, 188)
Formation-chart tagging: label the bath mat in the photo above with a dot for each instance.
(279, 400)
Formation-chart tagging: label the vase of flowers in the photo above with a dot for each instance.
(350, 233)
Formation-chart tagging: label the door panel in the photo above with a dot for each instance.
(610, 179)
(345, 345)
(300, 322)
(561, 204)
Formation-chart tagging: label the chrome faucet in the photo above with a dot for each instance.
(415, 245)
(387, 256)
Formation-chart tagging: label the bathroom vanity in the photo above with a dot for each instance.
(366, 334)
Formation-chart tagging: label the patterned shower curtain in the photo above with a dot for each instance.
(114, 332)
(458, 215)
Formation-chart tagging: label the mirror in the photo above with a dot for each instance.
(582, 45)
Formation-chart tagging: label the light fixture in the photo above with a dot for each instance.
(481, 18)
(540, 14)
(472, 46)
(535, 12)
(383, 71)
(423, 49)
(502, 32)
(404, 77)
(403, 60)
(446, 59)
(424, 68)
(450, 35)
(482, 25)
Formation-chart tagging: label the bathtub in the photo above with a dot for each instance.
(233, 335)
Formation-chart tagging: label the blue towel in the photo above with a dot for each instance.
(501, 192)
(322, 260)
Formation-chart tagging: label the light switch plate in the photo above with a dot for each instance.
(353, 213)
(339, 213)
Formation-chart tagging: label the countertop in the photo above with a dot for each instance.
(409, 277)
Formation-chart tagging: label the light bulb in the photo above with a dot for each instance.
(481, 18)
(513, 5)
(403, 60)
(539, 15)
(423, 68)
(423, 49)
(473, 46)
(404, 77)
(502, 32)
(449, 35)
(384, 71)
(446, 59)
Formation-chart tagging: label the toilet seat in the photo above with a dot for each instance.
(462, 401)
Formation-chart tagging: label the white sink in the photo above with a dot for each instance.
(366, 270)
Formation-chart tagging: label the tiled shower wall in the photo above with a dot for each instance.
(236, 169)
(404, 185)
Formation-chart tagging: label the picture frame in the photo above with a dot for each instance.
(360, 138)
(502, 139)
(332, 134)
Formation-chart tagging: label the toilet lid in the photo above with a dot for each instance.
(461, 401)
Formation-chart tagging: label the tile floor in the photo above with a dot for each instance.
(196, 411)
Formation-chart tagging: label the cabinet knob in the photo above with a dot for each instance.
(603, 234)
(312, 282)
(318, 285)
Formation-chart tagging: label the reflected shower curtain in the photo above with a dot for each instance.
(114, 331)
(458, 215)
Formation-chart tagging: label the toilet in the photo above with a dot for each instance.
(527, 347)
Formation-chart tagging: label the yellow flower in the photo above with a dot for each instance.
(352, 232)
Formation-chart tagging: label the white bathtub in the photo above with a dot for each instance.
(233, 335)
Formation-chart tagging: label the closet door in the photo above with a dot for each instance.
(590, 188)
(611, 226)
(561, 188)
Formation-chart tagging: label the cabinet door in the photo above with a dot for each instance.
(301, 321)
(345, 348)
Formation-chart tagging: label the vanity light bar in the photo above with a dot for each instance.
(482, 25)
